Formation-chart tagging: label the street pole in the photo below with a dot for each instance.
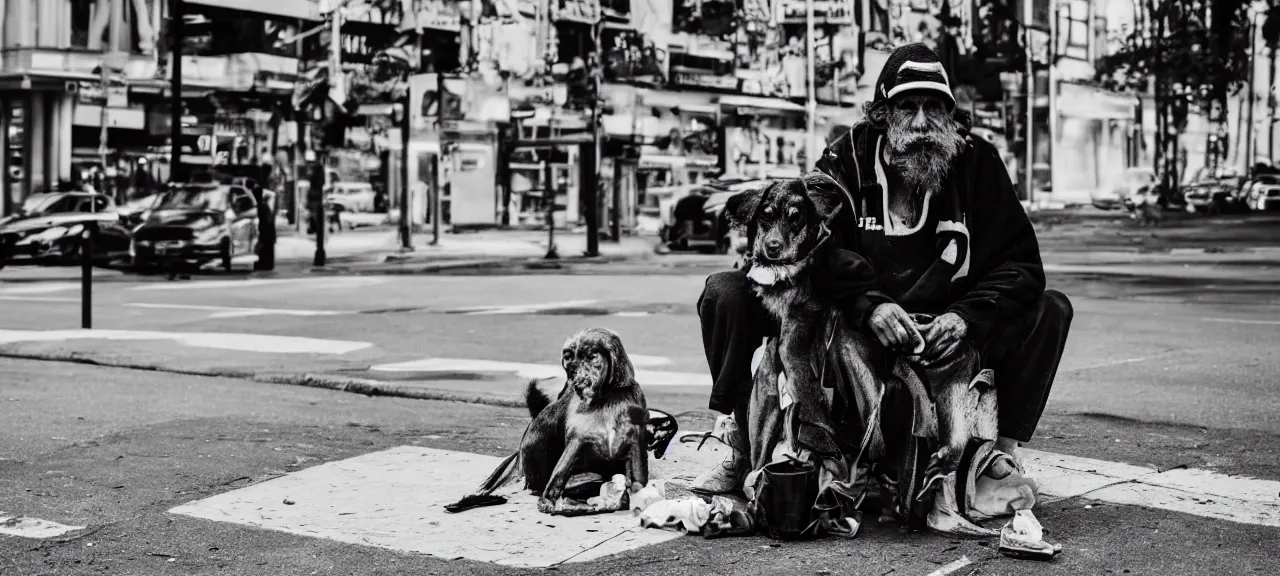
(177, 28)
(406, 237)
(1031, 100)
(811, 100)
(550, 192)
(86, 276)
(1053, 90)
(1253, 98)
(104, 78)
(592, 181)
(1271, 115)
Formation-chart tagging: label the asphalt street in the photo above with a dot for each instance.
(1170, 365)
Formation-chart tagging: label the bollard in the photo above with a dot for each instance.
(86, 276)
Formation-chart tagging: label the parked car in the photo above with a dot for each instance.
(351, 196)
(698, 219)
(49, 228)
(1211, 195)
(197, 223)
(1263, 193)
(1121, 195)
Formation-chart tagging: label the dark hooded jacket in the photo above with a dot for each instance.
(986, 261)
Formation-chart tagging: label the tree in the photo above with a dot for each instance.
(1193, 54)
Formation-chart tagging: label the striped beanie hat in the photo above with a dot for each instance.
(911, 68)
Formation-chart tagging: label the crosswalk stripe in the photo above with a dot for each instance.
(406, 511)
(215, 340)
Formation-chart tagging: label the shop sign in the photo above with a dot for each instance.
(581, 11)
(439, 15)
(824, 12)
(633, 58)
(705, 81)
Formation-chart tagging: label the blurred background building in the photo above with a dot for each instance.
(674, 91)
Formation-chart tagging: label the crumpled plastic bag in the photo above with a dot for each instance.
(641, 499)
(611, 494)
(1023, 537)
(687, 514)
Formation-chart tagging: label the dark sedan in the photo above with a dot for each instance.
(49, 229)
(198, 224)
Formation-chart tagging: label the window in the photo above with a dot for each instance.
(1074, 35)
(1101, 41)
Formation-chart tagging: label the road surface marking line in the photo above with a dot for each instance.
(1242, 321)
(519, 308)
(952, 567)
(535, 371)
(237, 312)
(215, 340)
(38, 299)
(42, 288)
(405, 513)
(1188, 491)
(24, 527)
(313, 283)
(1122, 362)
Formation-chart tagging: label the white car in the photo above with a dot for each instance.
(351, 196)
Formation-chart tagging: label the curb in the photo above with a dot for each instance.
(363, 386)
(446, 265)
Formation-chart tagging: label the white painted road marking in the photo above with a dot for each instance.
(535, 371)
(237, 312)
(215, 340)
(406, 510)
(1242, 321)
(1189, 491)
(520, 308)
(24, 527)
(395, 499)
(310, 283)
(41, 288)
(217, 311)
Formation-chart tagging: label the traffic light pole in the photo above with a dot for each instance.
(178, 31)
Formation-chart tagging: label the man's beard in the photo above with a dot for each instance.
(923, 157)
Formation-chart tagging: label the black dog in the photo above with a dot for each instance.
(597, 427)
(788, 230)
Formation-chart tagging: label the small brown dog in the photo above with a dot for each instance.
(595, 428)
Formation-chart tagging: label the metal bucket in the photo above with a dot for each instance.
(790, 489)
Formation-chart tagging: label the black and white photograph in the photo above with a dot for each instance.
(639, 287)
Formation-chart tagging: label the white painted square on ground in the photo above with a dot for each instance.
(395, 499)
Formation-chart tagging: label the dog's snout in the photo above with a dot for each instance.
(772, 246)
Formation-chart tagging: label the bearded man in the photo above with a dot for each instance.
(932, 227)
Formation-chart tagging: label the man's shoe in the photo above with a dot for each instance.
(725, 478)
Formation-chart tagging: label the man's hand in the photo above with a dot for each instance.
(894, 327)
(943, 335)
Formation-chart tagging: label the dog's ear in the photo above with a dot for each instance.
(825, 193)
(621, 371)
(741, 207)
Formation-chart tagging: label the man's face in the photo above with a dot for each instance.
(923, 140)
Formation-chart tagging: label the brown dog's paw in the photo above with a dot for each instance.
(546, 506)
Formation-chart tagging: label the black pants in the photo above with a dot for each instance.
(1024, 352)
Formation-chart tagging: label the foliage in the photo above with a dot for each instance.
(1212, 60)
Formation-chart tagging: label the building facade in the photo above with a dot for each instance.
(689, 91)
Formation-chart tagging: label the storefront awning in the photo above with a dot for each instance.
(686, 101)
(761, 103)
(301, 9)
